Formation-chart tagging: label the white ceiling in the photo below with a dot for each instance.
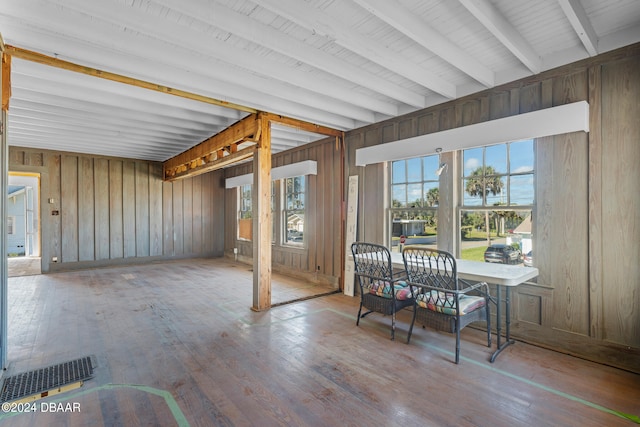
(337, 63)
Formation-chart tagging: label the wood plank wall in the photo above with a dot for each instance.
(320, 260)
(113, 211)
(587, 215)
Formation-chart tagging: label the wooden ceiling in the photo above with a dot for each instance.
(341, 64)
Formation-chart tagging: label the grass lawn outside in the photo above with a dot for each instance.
(473, 254)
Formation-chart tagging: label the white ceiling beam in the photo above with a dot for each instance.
(621, 38)
(93, 95)
(104, 149)
(21, 66)
(74, 121)
(98, 111)
(498, 25)
(29, 109)
(581, 24)
(165, 73)
(47, 42)
(399, 17)
(295, 110)
(269, 37)
(41, 121)
(155, 101)
(87, 143)
(338, 29)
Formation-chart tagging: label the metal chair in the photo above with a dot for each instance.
(442, 300)
(381, 290)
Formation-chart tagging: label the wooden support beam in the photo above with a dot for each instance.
(6, 76)
(262, 219)
(208, 164)
(193, 158)
(70, 66)
(226, 140)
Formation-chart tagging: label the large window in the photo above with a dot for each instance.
(414, 201)
(497, 199)
(294, 210)
(289, 194)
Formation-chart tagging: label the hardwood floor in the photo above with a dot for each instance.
(177, 344)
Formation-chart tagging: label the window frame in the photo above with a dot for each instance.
(245, 206)
(428, 180)
(522, 210)
(285, 210)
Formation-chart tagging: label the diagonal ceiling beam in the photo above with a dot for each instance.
(70, 66)
(498, 25)
(581, 24)
(413, 27)
(339, 30)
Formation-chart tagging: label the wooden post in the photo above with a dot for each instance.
(262, 219)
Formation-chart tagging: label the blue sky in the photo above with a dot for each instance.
(521, 189)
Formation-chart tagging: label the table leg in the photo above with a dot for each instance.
(507, 306)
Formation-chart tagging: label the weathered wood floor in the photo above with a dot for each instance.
(177, 344)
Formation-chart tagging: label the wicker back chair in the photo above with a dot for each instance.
(381, 290)
(444, 301)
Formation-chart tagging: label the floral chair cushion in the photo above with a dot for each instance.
(444, 302)
(383, 289)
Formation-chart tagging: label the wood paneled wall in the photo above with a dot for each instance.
(586, 226)
(321, 258)
(586, 300)
(113, 211)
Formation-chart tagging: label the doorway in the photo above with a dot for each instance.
(23, 224)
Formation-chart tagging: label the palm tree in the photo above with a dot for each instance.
(481, 182)
(432, 197)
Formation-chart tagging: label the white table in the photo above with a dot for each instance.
(497, 274)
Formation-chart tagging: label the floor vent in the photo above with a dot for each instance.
(43, 382)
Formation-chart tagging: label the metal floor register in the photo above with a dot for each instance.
(37, 383)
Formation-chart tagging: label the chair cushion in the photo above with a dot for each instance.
(442, 302)
(383, 289)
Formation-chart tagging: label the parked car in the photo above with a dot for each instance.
(528, 259)
(501, 253)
